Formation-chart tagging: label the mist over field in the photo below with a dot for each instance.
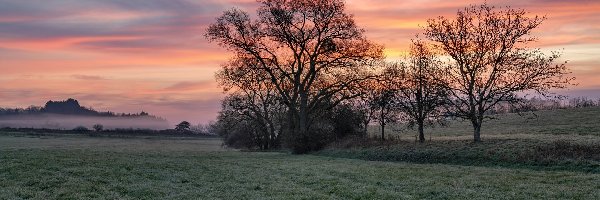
(58, 121)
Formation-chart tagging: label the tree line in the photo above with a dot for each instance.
(70, 107)
(304, 74)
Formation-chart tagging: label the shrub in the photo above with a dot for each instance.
(98, 127)
(81, 129)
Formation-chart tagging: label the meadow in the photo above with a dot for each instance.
(504, 166)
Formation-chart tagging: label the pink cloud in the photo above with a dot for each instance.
(151, 54)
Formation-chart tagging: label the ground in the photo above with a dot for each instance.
(58, 166)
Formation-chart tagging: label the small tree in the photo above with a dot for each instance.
(98, 127)
(491, 62)
(420, 87)
(183, 126)
(384, 106)
(380, 96)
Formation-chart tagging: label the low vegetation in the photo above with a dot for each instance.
(564, 139)
(520, 152)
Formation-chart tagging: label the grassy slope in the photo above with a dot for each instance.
(79, 168)
(554, 140)
(576, 121)
(579, 121)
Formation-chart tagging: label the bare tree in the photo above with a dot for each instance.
(383, 106)
(420, 90)
(312, 51)
(363, 105)
(491, 62)
(254, 97)
(378, 99)
(261, 117)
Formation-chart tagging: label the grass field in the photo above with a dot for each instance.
(544, 161)
(84, 167)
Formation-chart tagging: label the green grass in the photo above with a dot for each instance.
(567, 139)
(574, 121)
(516, 152)
(135, 168)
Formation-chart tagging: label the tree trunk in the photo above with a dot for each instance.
(272, 136)
(300, 138)
(303, 123)
(366, 129)
(476, 131)
(266, 141)
(383, 131)
(382, 123)
(421, 132)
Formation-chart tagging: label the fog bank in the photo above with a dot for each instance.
(67, 122)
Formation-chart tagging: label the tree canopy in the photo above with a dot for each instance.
(311, 52)
(491, 60)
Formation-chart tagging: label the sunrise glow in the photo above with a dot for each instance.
(151, 55)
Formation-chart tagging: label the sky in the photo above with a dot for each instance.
(151, 55)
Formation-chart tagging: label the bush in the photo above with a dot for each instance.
(333, 125)
(81, 129)
(98, 127)
(318, 136)
(347, 121)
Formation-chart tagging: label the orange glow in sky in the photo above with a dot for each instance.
(151, 55)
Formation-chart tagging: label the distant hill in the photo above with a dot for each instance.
(67, 107)
(70, 107)
(69, 113)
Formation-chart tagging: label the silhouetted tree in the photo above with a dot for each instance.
(235, 129)
(420, 89)
(260, 110)
(98, 127)
(70, 106)
(383, 104)
(183, 126)
(240, 128)
(255, 97)
(378, 98)
(491, 62)
(363, 105)
(312, 51)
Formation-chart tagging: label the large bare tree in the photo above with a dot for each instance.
(491, 60)
(312, 51)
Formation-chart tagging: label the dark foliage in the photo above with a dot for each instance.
(311, 52)
(347, 121)
(98, 127)
(183, 126)
(81, 129)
